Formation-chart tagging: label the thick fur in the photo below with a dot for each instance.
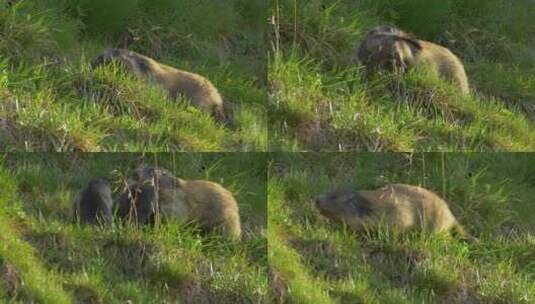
(200, 92)
(154, 176)
(401, 206)
(388, 48)
(93, 203)
(138, 203)
(206, 203)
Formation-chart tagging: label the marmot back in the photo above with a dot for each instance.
(213, 206)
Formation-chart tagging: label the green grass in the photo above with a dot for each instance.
(313, 260)
(52, 102)
(46, 257)
(321, 101)
(19, 257)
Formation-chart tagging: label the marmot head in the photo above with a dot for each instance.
(385, 29)
(389, 51)
(149, 174)
(100, 186)
(140, 64)
(143, 172)
(138, 203)
(339, 205)
(105, 58)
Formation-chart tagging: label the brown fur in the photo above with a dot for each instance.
(200, 92)
(388, 48)
(401, 206)
(204, 202)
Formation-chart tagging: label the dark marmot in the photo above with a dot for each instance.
(200, 92)
(388, 48)
(401, 206)
(152, 174)
(386, 29)
(93, 203)
(206, 203)
(138, 203)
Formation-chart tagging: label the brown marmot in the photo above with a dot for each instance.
(207, 203)
(93, 203)
(401, 206)
(388, 48)
(200, 92)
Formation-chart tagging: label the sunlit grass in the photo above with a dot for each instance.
(314, 260)
(45, 256)
(320, 99)
(52, 102)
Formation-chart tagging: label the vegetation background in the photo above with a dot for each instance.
(319, 100)
(45, 257)
(52, 102)
(313, 260)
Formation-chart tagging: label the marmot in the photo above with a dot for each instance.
(401, 206)
(138, 203)
(207, 203)
(200, 92)
(388, 48)
(386, 29)
(93, 203)
(151, 174)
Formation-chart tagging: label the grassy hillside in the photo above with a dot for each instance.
(52, 102)
(320, 101)
(313, 260)
(47, 258)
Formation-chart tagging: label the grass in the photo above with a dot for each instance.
(46, 257)
(313, 260)
(52, 102)
(321, 101)
(314, 98)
